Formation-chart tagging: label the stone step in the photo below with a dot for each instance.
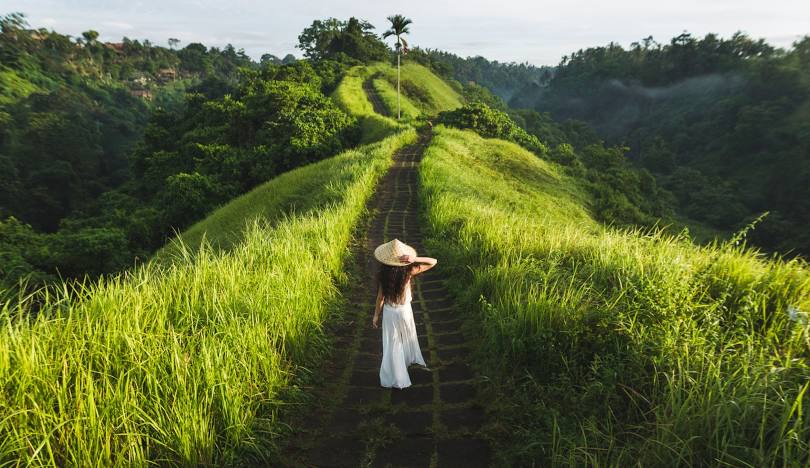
(449, 326)
(457, 392)
(470, 418)
(412, 451)
(455, 371)
(412, 423)
(463, 452)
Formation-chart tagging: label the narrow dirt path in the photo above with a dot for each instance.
(357, 422)
(374, 98)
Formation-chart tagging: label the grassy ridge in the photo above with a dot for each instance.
(423, 93)
(188, 362)
(293, 190)
(423, 89)
(351, 97)
(615, 347)
(388, 95)
(301, 191)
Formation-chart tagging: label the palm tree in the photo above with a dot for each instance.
(399, 26)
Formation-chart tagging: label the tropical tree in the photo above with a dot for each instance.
(315, 40)
(344, 41)
(90, 36)
(399, 26)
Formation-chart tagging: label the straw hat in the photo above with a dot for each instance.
(390, 252)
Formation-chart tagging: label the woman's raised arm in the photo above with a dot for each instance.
(424, 263)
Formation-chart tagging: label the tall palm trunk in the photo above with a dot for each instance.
(398, 111)
(399, 26)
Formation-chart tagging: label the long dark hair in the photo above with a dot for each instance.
(392, 279)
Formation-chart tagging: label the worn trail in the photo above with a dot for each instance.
(356, 422)
(374, 97)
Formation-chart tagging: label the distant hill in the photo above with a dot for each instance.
(722, 123)
(505, 79)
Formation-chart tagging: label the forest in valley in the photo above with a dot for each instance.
(722, 123)
(108, 149)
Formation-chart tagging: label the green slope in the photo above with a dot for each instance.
(421, 87)
(190, 358)
(423, 94)
(314, 186)
(613, 348)
(191, 361)
(304, 190)
(388, 94)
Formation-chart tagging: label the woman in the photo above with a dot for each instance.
(398, 264)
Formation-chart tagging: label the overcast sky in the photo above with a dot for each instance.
(539, 32)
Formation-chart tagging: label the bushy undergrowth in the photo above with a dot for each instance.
(183, 362)
(616, 348)
(492, 123)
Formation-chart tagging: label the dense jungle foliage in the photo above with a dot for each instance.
(724, 124)
(108, 149)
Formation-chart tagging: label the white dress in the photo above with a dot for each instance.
(400, 344)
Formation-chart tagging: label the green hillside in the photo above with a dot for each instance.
(302, 191)
(613, 347)
(421, 89)
(388, 95)
(423, 94)
(248, 290)
(721, 122)
(103, 375)
(85, 151)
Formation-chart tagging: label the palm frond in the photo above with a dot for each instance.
(399, 24)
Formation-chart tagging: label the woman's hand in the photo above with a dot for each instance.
(406, 258)
(375, 322)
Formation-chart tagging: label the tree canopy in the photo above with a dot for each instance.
(343, 41)
(722, 123)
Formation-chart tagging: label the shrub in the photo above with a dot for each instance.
(491, 123)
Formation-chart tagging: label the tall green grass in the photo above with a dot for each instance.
(616, 348)
(423, 94)
(388, 95)
(421, 87)
(187, 362)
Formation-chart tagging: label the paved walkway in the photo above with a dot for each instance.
(355, 421)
